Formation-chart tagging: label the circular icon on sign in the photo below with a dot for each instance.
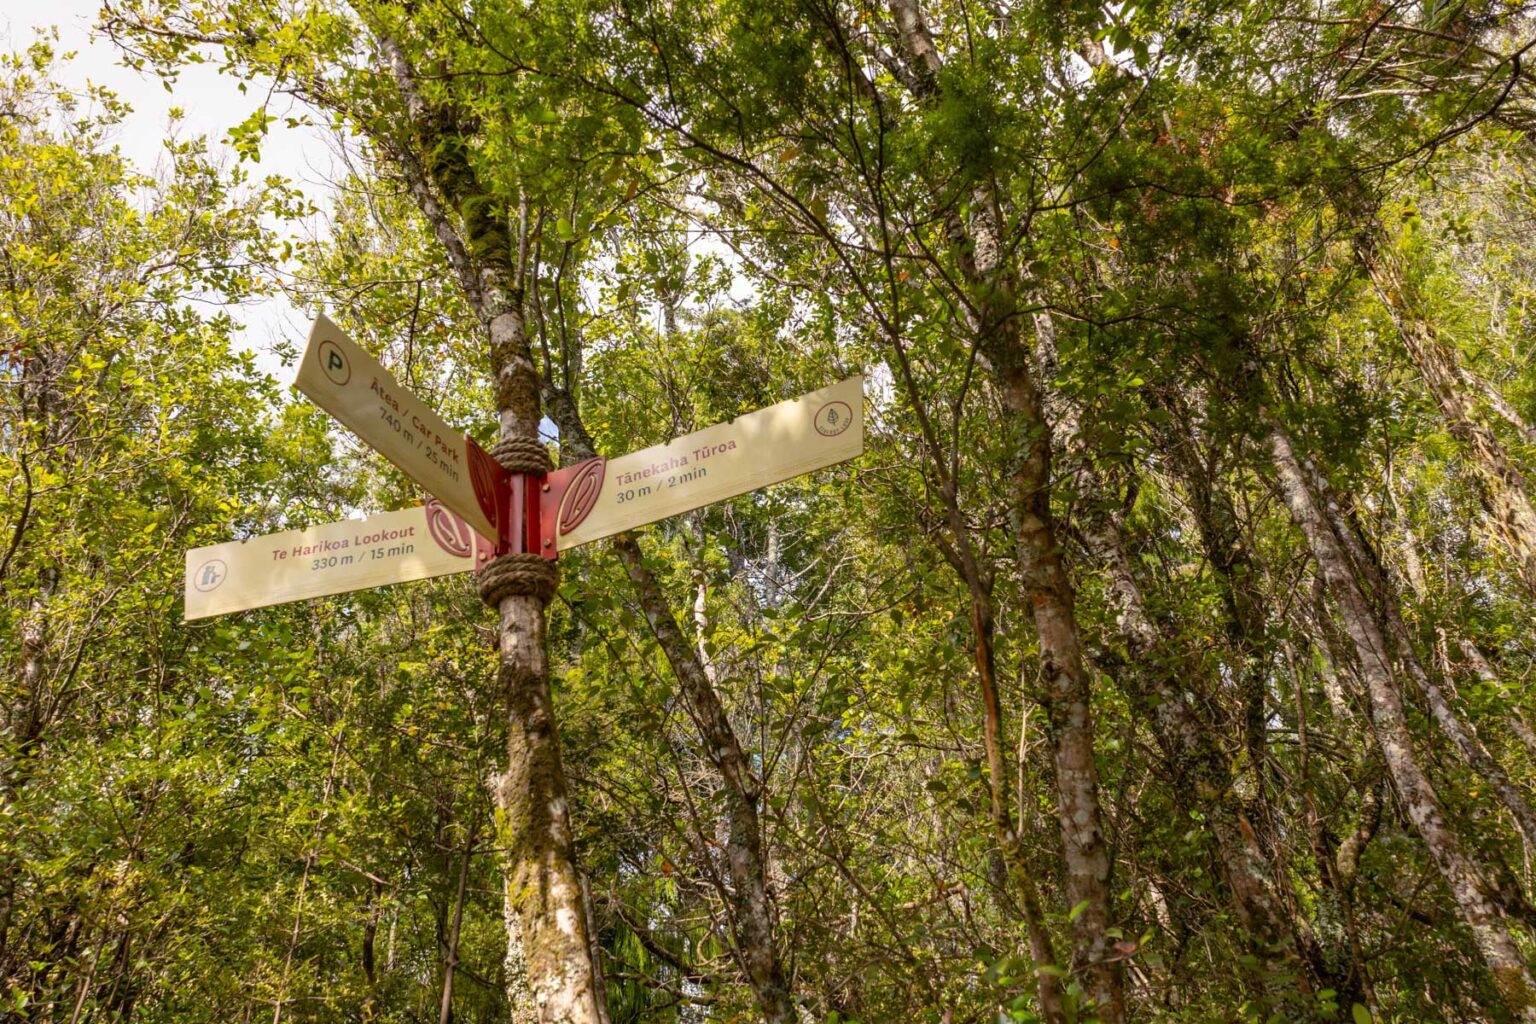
(210, 575)
(833, 418)
(333, 361)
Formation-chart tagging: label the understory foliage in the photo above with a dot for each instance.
(1164, 657)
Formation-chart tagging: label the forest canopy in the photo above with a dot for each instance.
(1165, 656)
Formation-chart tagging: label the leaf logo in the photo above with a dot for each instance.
(832, 419)
(452, 534)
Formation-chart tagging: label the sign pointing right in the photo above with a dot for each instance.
(818, 429)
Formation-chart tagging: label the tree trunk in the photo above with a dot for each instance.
(961, 555)
(451, 953)
(532, 810)
(751, 909)
(372, 911)
(1478, 910)
(1201, 767)
(1477, 756)
(520, 1001)
(1505, 491)
(1010, 848)
(994, 317)
(1460, 733)
(533, 816)
(1484, 672)
(1221, 540)
(1049, 595)
(534, 827)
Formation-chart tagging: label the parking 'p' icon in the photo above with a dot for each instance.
(333, 363)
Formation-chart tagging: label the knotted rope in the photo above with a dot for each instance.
(517, 575)
(522, 455)
(522, 574)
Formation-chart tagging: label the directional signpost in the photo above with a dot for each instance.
(479, 510)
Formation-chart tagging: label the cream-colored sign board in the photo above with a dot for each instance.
(760, 448)
(411, 544)
(351, 385)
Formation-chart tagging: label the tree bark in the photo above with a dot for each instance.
(533, 819)
(373, 909)
(532, 809)
(1481, 913)
(961, 555)
(1504, 488)
(1048, 592)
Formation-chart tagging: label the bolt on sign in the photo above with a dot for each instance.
(478, 509)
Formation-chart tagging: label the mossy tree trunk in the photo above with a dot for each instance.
(547, 918)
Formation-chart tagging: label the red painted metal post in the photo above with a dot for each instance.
(532, 510)
(520, 528)
(565, 498)
(511, 501)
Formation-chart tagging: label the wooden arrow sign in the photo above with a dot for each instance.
(351, 385)
(601, 498)
(396, 547)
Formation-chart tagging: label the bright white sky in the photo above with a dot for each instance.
(212, 104)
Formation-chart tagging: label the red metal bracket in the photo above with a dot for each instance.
(532, 510)
(565, 498)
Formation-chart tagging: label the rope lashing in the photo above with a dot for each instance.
(519, 574)
(522, 455)
(523, 574)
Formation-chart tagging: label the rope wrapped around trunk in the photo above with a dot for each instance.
(517, 575)
(522, 455)
(525, 574)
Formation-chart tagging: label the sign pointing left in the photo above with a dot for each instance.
(346, 381)
(395, 547)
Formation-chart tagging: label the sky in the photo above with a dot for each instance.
(212, 103)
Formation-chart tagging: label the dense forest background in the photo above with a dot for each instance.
(1165, 657)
